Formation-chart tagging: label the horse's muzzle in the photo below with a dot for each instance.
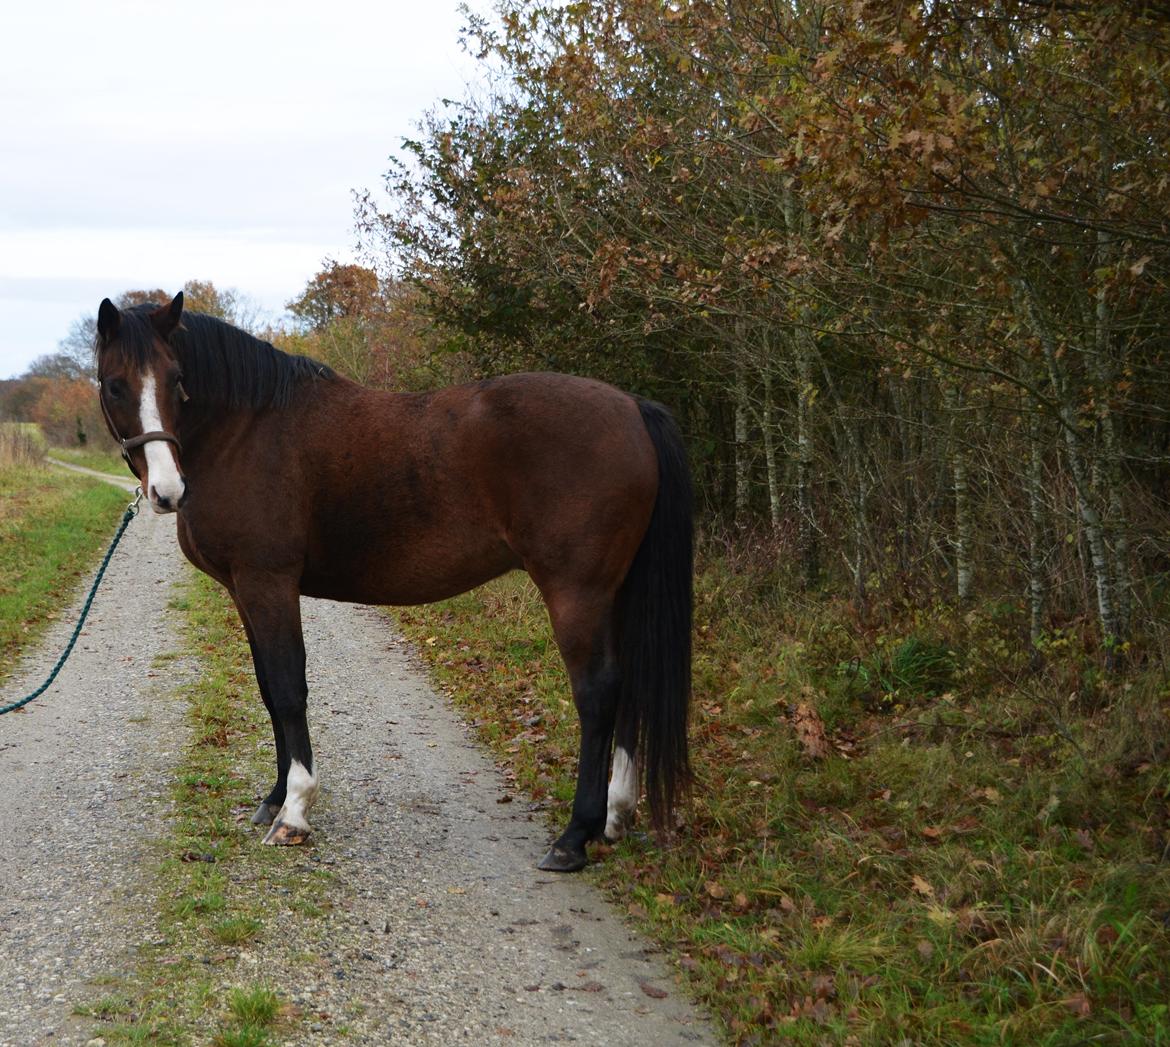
(168, 503)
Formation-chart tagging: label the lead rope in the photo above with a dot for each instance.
(127, 516)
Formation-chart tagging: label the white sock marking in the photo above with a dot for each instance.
(623, 795)
(300, 796)
(162, 475)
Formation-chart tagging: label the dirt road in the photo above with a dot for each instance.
(441, 929)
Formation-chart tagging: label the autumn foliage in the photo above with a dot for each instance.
(900, 268)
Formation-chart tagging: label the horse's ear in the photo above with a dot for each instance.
(167, 318)
(109, 320)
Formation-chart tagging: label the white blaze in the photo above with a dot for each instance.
(301, 795)
(623, 795)
(162, 474)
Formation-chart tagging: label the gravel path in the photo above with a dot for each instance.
(441, 928)
(450, 932)
(84, 772)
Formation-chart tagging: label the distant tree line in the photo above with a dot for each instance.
(57, 391)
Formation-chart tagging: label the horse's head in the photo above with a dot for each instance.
(140, 386)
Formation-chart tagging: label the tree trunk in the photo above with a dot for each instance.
(1090, 517)
(741, 446)
(805, 396)
(770, 452)
(964, 570)
(1037, 583)
(1101, 366)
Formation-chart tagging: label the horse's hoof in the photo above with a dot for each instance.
(265, 814)
(560, 860)
(284, 835)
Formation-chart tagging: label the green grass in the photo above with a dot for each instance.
(53, 529)
(105, 459)
(214, 882)
(980, 859)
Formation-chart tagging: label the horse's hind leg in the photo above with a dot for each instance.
(584, 632)
(270, 608)
(622, 800)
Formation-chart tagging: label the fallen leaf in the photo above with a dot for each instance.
(810, 731)
(922, 887)
(653, 991)
(715, 889)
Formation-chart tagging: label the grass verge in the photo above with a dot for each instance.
(225, 906)
(53, 529)
(105, 459)
(897, 834)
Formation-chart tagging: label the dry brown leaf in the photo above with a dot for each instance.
(653, 991)
(810, 731)
(922, 887)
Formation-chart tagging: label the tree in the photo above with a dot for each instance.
(338, 291)
(901, 269)
(78, 345)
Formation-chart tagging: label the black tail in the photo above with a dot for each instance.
(655, 628)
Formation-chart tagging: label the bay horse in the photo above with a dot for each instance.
(289, 479)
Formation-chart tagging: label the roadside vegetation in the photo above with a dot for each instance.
(53, 528)
(103, 458)
(897, 832)
(219, 897)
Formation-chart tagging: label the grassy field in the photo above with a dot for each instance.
(53, 528)
(897, 834)
(105, 459)
(214, 885)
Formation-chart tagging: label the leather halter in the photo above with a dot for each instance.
(129, 443)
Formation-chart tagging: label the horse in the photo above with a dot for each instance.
(288, 479)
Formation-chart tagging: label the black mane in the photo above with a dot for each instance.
(221, 364)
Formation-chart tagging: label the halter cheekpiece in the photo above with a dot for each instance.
(129, 443)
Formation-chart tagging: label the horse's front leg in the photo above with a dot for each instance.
(271, 610)
(270, 806)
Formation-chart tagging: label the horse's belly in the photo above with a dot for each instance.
(401, 577)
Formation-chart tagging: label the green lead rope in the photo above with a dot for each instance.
(127, 516)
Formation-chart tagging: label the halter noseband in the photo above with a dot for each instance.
(128, 444)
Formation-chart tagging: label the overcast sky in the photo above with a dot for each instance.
(144, 145)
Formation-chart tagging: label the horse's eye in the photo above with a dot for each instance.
(116, 388)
